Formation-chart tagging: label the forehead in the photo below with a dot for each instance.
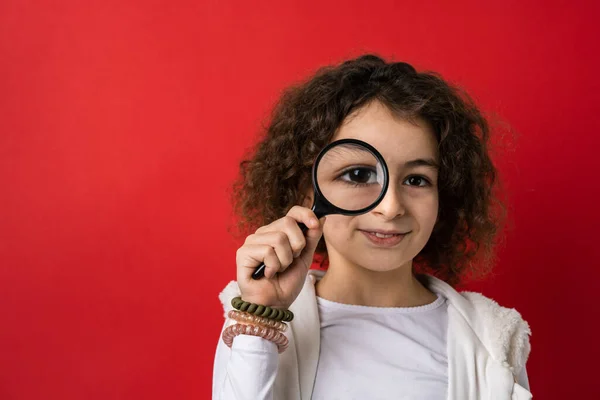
(398, 140)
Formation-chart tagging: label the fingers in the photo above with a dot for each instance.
(289, 225)
(251, 256)
(304, 215)
(315, 231)
(279, 241)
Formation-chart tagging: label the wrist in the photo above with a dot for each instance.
(265, 301)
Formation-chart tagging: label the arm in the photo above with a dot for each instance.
(247, 370)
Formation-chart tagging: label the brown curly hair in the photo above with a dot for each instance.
(276, 175)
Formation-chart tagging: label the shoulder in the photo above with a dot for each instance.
(505, 330)
(502, 330)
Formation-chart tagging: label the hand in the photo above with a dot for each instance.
(287, 255)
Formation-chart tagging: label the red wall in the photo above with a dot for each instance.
(121, 126)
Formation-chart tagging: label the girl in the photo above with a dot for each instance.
(383, 321)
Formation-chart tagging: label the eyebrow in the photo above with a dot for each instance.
(422, 162)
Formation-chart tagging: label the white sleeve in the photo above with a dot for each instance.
(247, 370)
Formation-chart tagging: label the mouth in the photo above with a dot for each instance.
(384, 238)
(382, 233)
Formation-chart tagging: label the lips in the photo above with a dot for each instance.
(383, 233)
(384, 238)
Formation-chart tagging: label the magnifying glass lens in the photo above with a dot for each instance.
(350, 177)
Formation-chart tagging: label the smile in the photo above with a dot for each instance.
(384, 239)
(381, 235)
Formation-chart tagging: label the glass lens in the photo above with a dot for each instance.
(350, 177)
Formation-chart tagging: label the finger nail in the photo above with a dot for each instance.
(314, 223)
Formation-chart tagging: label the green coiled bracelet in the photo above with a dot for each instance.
(262, 311)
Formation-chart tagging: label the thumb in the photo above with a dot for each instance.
(313, 236)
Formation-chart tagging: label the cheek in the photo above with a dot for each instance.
(337, 226)
(422, 206)
(426, 211)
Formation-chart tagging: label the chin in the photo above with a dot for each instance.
(380, 264)
(382, 270)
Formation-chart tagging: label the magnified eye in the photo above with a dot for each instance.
(360, 175)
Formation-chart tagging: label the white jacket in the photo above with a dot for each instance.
(487, 347)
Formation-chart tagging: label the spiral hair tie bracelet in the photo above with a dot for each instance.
(262, 311)
(244, 317)
(270, 334)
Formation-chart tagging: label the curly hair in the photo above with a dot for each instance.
(276, 175)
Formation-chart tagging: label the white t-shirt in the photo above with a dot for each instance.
(382, 352)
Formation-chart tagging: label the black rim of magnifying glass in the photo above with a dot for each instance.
(321, 205)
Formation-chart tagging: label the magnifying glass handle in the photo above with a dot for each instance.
(259, 272)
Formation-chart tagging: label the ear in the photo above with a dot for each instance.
(307, 192)
(308, 199)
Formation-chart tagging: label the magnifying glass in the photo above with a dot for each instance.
(349, 177)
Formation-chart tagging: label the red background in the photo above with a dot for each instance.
(121, 127)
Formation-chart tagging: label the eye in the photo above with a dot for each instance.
(417, 180)
(359, 176)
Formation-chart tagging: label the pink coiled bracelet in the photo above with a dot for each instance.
(268, 333)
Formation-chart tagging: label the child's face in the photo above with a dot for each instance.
(410, 205)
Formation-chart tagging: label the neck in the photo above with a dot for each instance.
(352, 284)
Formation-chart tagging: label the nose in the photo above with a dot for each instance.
(391, 205)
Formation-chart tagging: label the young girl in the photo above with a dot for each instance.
(383, 321)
